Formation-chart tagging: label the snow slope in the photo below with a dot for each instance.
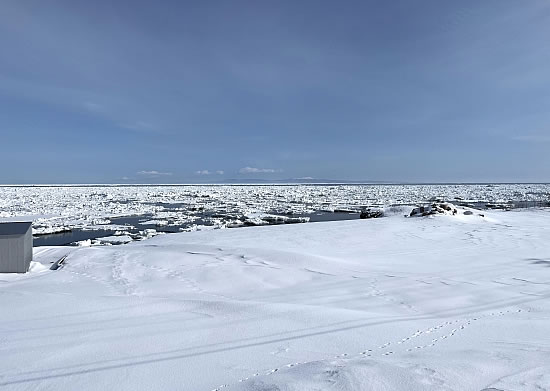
(439, 303)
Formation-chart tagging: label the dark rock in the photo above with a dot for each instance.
(371, 214)
(434, 209)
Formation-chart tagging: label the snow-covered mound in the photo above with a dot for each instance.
(447, 303)
(444, 208)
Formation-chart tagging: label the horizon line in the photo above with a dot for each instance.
(371, 183)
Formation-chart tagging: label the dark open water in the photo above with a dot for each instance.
(136, 223)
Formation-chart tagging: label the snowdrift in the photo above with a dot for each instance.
(447, 302)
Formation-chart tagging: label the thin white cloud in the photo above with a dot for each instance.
(139, 126)
(532, 138)
(254, 170)
(153, 173)
(208, 172)
(92, 106)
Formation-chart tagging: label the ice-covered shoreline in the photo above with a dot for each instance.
(132, 210)
(456, 302)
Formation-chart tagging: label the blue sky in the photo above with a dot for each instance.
(176, 91)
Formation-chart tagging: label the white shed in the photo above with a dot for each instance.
(15, 247)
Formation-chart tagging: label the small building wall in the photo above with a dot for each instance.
(16, 252)
(11, 254)
(27, 249)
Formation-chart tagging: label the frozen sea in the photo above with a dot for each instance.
(64, 215)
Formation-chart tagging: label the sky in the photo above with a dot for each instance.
(133, 91)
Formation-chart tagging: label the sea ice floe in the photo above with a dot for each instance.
(55, 209)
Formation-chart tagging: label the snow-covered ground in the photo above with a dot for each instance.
(430, 303)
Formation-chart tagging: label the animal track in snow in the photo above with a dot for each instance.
(369, 352)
